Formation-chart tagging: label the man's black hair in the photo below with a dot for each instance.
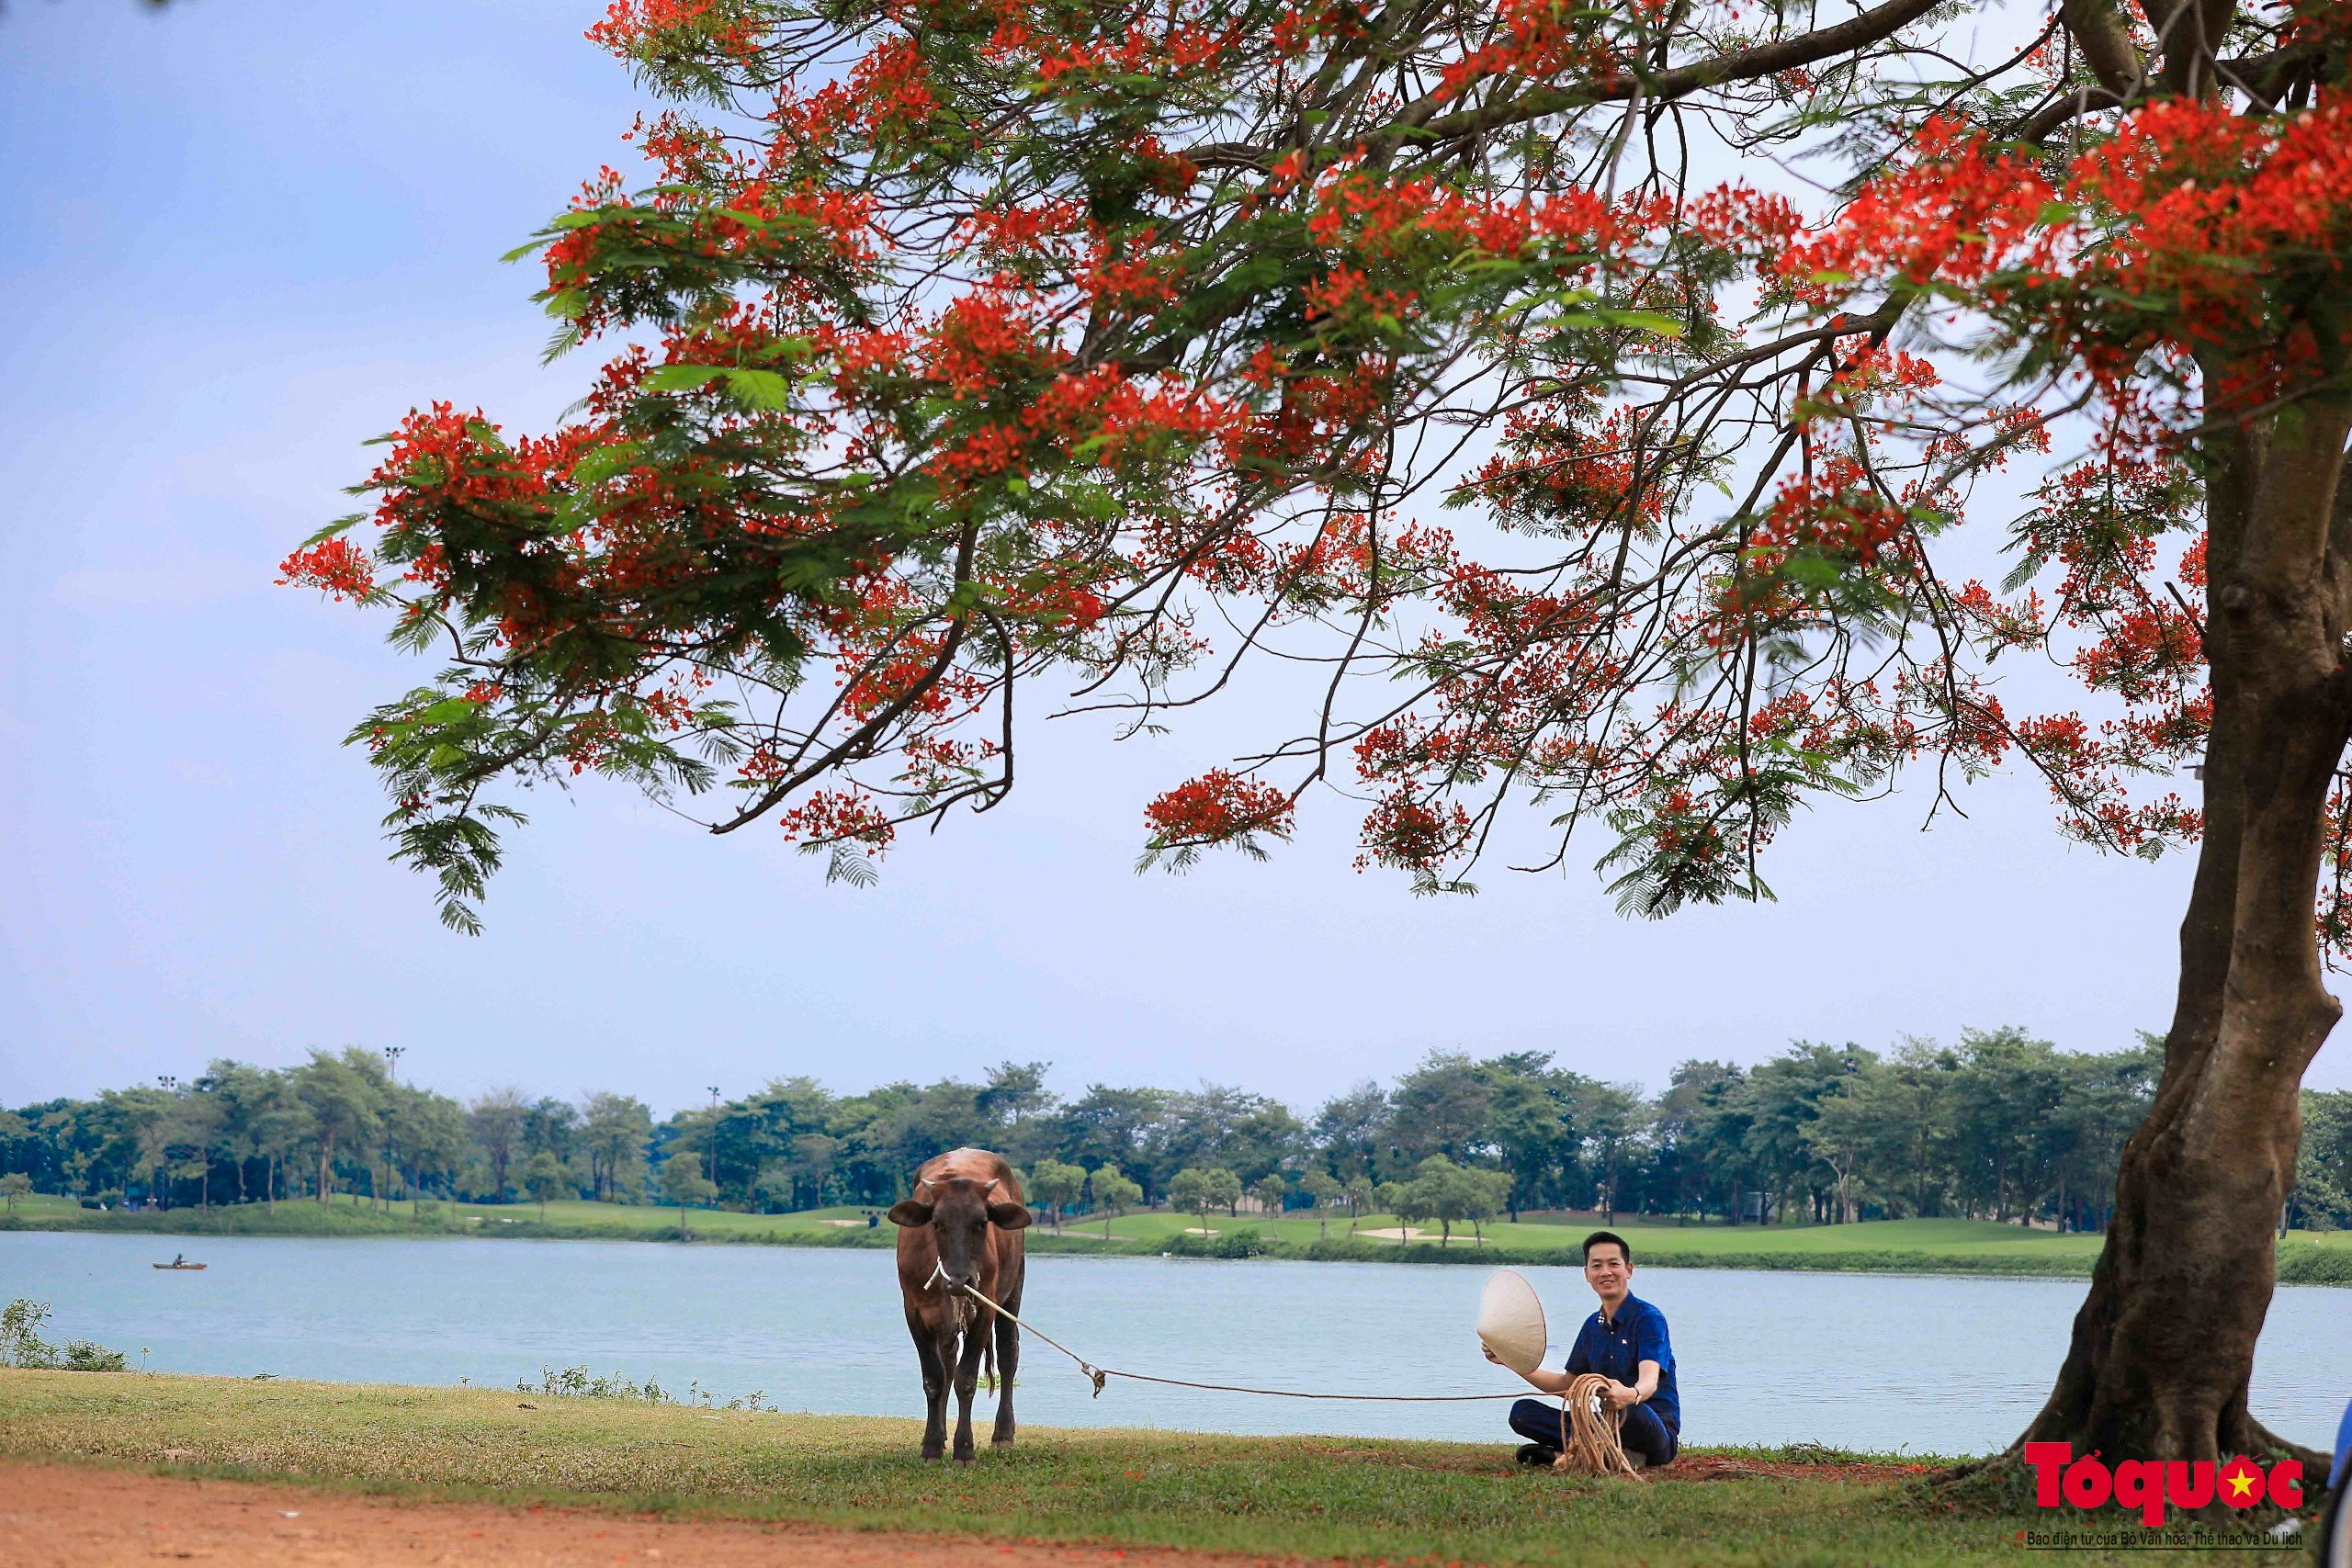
(1599, 1236)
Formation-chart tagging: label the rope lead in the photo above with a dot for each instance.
(1099, 1376)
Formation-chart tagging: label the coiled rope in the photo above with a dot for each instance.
(1591, 1432)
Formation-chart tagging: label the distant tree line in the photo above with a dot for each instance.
(2000, 1126)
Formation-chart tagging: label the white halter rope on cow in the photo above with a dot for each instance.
(1590, 1440)
(964, 1313)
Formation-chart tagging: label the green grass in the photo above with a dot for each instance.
(45, 1212)
(651, 1222)
(1907, 1245)
(1950, 1237)
(1311, 1497)
(348, 1215)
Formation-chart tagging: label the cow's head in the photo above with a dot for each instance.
(959, 1212)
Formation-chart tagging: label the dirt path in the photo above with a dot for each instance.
(66, 1517)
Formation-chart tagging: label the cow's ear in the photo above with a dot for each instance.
(1008, 1217)
(908, 1212)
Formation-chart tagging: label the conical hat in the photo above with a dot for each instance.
(1511, 1321)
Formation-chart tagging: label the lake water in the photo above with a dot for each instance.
(1937, 1365)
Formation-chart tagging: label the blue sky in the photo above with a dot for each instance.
(245, 238)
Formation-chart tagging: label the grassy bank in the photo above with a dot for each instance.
(1945, 1246)
(1312, 1497)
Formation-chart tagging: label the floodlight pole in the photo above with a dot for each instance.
(714, 1137)
(392, 1055)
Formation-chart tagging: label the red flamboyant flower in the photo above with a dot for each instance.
(335, 567)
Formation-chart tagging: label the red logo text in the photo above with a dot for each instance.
(2148, 1485)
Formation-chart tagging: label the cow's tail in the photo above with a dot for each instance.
(988, 1353)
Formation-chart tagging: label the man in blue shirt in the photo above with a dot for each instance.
(1625, 1342)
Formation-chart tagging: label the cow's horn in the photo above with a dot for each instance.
(992, 1181)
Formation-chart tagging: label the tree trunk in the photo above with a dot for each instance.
(273, 1184)
(2164, 1344)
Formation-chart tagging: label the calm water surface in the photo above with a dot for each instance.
(1855, 1360)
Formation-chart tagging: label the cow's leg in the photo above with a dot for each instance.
(1008, 1362)
(968, 1382)
(951, 1347)
(934, 1387)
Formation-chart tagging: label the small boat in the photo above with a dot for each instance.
(182, 1264)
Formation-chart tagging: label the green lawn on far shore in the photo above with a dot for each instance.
(1957, 1238)
(1315, 1497)
(1972, 1245)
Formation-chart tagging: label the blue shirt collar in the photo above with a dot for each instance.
(1631, 1306)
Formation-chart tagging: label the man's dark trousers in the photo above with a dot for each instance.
(1538, 1420)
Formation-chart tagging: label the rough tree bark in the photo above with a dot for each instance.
(2163, 1347)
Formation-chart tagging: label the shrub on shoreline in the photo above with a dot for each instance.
(578, 1383)
(21, 1346)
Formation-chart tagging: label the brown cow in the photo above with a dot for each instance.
(961, 1226)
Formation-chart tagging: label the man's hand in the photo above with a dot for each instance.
(1539, 1379)
(1620, 1396)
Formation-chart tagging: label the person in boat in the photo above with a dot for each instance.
(179, 1259)
(1625, 1342)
